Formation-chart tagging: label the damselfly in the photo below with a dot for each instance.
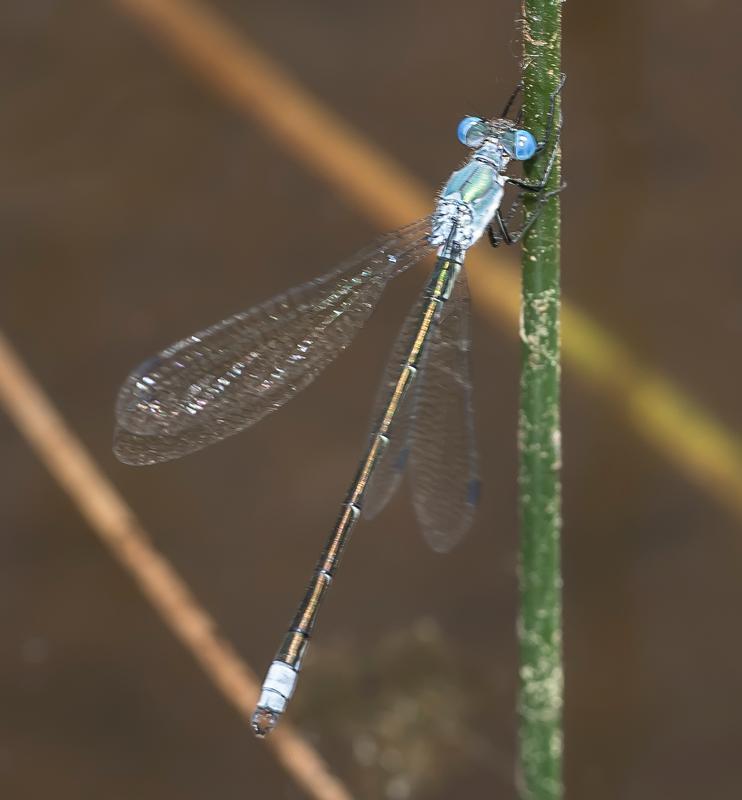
(223, 379)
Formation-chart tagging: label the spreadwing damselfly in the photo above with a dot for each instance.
(225, 378)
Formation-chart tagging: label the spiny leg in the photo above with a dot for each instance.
(540, 185)
(550, 116)
(518, 89)
(511, 237)
(511, 100)
(550, 131)
(503, 233)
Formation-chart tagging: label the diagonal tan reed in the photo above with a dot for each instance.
(116, 525)
(688, 436)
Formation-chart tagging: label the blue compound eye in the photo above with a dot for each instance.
(471, 131)
(524, 146)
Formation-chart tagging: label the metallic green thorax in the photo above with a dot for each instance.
(473, 182)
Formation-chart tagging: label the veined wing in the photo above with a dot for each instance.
(223, 379)
(443, 455)
(390, 467)
(433, 429)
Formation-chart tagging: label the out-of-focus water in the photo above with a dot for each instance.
(136, 207)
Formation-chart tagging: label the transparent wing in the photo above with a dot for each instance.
(222, 380)
(443, 457)
(390, 467)
(433, 430)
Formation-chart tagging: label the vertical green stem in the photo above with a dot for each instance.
(540, 631)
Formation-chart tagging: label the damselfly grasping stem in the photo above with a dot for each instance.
(224, 379)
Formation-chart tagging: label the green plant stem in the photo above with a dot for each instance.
(539, 438)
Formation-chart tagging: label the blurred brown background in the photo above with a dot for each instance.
(137, 206)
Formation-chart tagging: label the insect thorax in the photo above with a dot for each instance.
(470, 198)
